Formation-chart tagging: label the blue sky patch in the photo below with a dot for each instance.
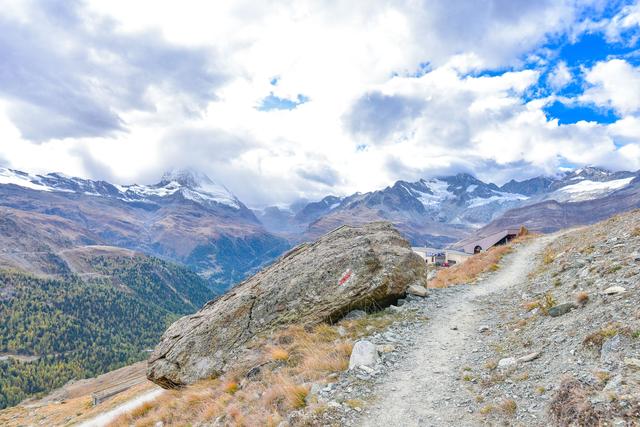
(572, 114)
(272, 102)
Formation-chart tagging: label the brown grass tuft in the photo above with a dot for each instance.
(279, 354)
(582, 298)
(468, 271)
(509, 406)
(571, 405)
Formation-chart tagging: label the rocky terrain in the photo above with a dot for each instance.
(554, 341)
(349, 268)
(549, 337)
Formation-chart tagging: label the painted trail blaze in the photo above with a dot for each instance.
(345, 278)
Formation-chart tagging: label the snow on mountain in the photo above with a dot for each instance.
(586, 189)
(191, 185)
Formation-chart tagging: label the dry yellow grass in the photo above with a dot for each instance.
(468, 271)
(280, 354)
(311, 354)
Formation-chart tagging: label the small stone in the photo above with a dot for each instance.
(417, 290)
(632, 363)
(561, 309)
(333, 404)
(364, 353)
(342, 331)
(483, 328)
(385, 348)
(401, 302)
(614, 290)
(529, 357)
(366, 369)
(507, 362)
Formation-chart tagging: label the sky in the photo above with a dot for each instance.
(285, 100)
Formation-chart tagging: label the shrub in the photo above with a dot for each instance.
(549, 256)
(509, 406)
(582, 298)
(571, 405)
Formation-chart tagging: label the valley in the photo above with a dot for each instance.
(92, 273)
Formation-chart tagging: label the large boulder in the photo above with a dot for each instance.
(348, 268)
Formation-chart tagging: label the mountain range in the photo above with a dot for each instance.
(91, 272)
(440, 211)
(185, 218)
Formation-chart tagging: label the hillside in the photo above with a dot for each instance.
(185, 218)
(551, 215)
(549, 337)
(101, 310)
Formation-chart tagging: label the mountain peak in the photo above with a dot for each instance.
(187, 178)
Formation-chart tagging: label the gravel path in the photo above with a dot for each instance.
(425, 390)
(107, 417)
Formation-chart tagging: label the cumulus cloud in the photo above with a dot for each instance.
(377, 116)
(613, 84)
(70, 74)
(398, 89)
(560, 76)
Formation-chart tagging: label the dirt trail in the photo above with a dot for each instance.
(425, 389)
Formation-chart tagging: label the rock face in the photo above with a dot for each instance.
(347, 269)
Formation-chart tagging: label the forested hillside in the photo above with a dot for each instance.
(80, 327)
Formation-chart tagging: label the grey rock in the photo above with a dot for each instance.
(417, 290)
(632, 363)
(614, 290)
(507, 362)
(401, 302)
(364, 353)
(346, 269)
(561, 309)
(529, 357)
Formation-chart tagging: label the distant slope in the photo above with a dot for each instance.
(438, 211)
(184, 218)
(551, 215)
(84, 324)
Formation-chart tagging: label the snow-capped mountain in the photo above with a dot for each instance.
(190, 185)
(185, 217)
(438, 210)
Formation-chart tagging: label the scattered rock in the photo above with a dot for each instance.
(561, 309)
(632, 363)
(401, 302)
(507, 362)
(529, 357)
(417, 290)
(348, 268)
(385, 348)
(364, 353)
(483, 329)
(613, 290)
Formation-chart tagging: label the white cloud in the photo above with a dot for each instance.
(335, 53)
(614, 84)
(560, 76)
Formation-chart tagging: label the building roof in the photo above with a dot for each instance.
(485, 242)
